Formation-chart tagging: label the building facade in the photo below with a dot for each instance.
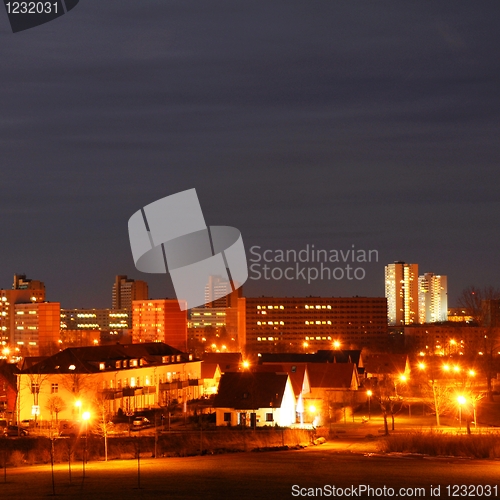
(96, 319)
(124, 378)
(307, 324)
(24, 291)
(126, 290)
(401, 292)
(160, 320)
(432, 298)
(37, 328)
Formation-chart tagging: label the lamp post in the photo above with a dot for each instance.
(85, 417)
(472, 374)
(461, 401)
(369, 394)
(422, 367)
(403, 378)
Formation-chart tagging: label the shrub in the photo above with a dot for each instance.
(444, 444)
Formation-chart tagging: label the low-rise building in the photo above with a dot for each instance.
(255, 400)
(125, 378)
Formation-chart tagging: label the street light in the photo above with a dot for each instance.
(461, 401)
(78, 404)
(85, 417)
(369, 394)
(403, 378)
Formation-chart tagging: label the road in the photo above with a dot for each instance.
(247, 475)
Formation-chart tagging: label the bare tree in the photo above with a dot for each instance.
(479, 303)
(34, 384)
(385, 394)
(55, 404)
(103, 421)
(77, 383)
(475, 301)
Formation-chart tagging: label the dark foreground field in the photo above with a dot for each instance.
(246, 475)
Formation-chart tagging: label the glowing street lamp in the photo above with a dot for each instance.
(369, 394)
(312, 411)
(336, 344)
(78, 404)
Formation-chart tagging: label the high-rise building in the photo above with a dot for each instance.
(432, 298)
(219, 293)
(37, 328)
(22, 283)
(24, 291)
(125, 291)
(159, 320)
(401, 292)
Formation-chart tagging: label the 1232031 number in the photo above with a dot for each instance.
(31, 8)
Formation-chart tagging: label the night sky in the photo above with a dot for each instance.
(374, 124)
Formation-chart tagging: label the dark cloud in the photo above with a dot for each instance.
(374, 124)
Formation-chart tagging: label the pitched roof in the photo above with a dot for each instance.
(383, 364)
(341, 356)
(208, 370)
(88, 359)
(322, 356)
(332, 375)
(286, 357)
(228, 361)
(296, 372)
(8, 372)
(251, 390)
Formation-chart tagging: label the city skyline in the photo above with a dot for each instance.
(129, 283)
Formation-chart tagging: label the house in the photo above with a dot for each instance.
(228, 361)
(126, 378)
(333, 386)
(298, 378)
(255, 399)
(383, 365)
(8, 390)
(211, 374)
(322, 356)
